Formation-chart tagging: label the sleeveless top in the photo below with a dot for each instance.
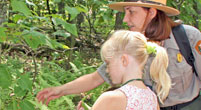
(138, 98)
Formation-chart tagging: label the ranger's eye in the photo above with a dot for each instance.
(131, 11)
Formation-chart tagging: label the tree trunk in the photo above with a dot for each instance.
(61, 6)
(3, 10)
(80, 17)
(118, 21)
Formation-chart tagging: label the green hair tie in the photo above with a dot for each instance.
(151, 49)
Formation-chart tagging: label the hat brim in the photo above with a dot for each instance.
(168, 10)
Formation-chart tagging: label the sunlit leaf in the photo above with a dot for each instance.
(18, 17)
(65, 47)
(74, 67)
(82, 8)
(69, 27)
(72, 11)
(20, 7)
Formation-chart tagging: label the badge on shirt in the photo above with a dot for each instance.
(198, 47)
(179, 57)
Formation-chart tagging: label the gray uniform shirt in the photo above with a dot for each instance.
(185, 85)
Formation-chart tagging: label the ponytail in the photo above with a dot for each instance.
(159, 74)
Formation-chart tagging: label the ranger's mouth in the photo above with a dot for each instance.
(131, 26)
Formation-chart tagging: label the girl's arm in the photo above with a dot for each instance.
(82, 84)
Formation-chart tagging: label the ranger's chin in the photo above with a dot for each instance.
(134, 29)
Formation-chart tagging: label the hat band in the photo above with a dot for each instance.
(145, 1)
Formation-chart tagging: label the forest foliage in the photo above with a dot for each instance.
(46, 43)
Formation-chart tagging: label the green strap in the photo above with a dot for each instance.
(138, 79)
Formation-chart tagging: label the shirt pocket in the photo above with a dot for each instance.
(180, 72)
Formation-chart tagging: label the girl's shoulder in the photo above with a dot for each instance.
(113, 95)
(112, 100)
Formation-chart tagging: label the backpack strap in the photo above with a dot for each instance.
(184, 45)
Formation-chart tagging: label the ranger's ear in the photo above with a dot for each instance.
(152, 12)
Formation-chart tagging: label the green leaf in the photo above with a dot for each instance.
(72, 11)
(62, 33)
(101, 20)
(20, 7)
(69, 102)
(2, 34)
(69, 27)
(1, 104)
(52, 79)
(43, 82)
(74, 67)
(19, 91)
(13, 105)
(25, 83)
(39, 105)
(57, 1)
(5, 76)
(12, 25)
(32, 41)
(17, 17)
(35, 39)
(86, 107)
(82, 8)
(55, 44)
(26, 105)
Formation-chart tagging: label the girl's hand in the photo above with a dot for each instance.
(49, 94)
(83, 106)
(79, 106)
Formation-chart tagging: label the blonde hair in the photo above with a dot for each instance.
(135, 44)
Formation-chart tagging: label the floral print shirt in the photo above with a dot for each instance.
(138, 98)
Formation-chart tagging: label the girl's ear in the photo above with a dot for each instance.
(125, 60)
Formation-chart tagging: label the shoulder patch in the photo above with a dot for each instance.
(198, 47)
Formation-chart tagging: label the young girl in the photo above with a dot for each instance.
(125, 54)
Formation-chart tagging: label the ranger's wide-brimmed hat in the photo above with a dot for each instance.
(158, 4)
